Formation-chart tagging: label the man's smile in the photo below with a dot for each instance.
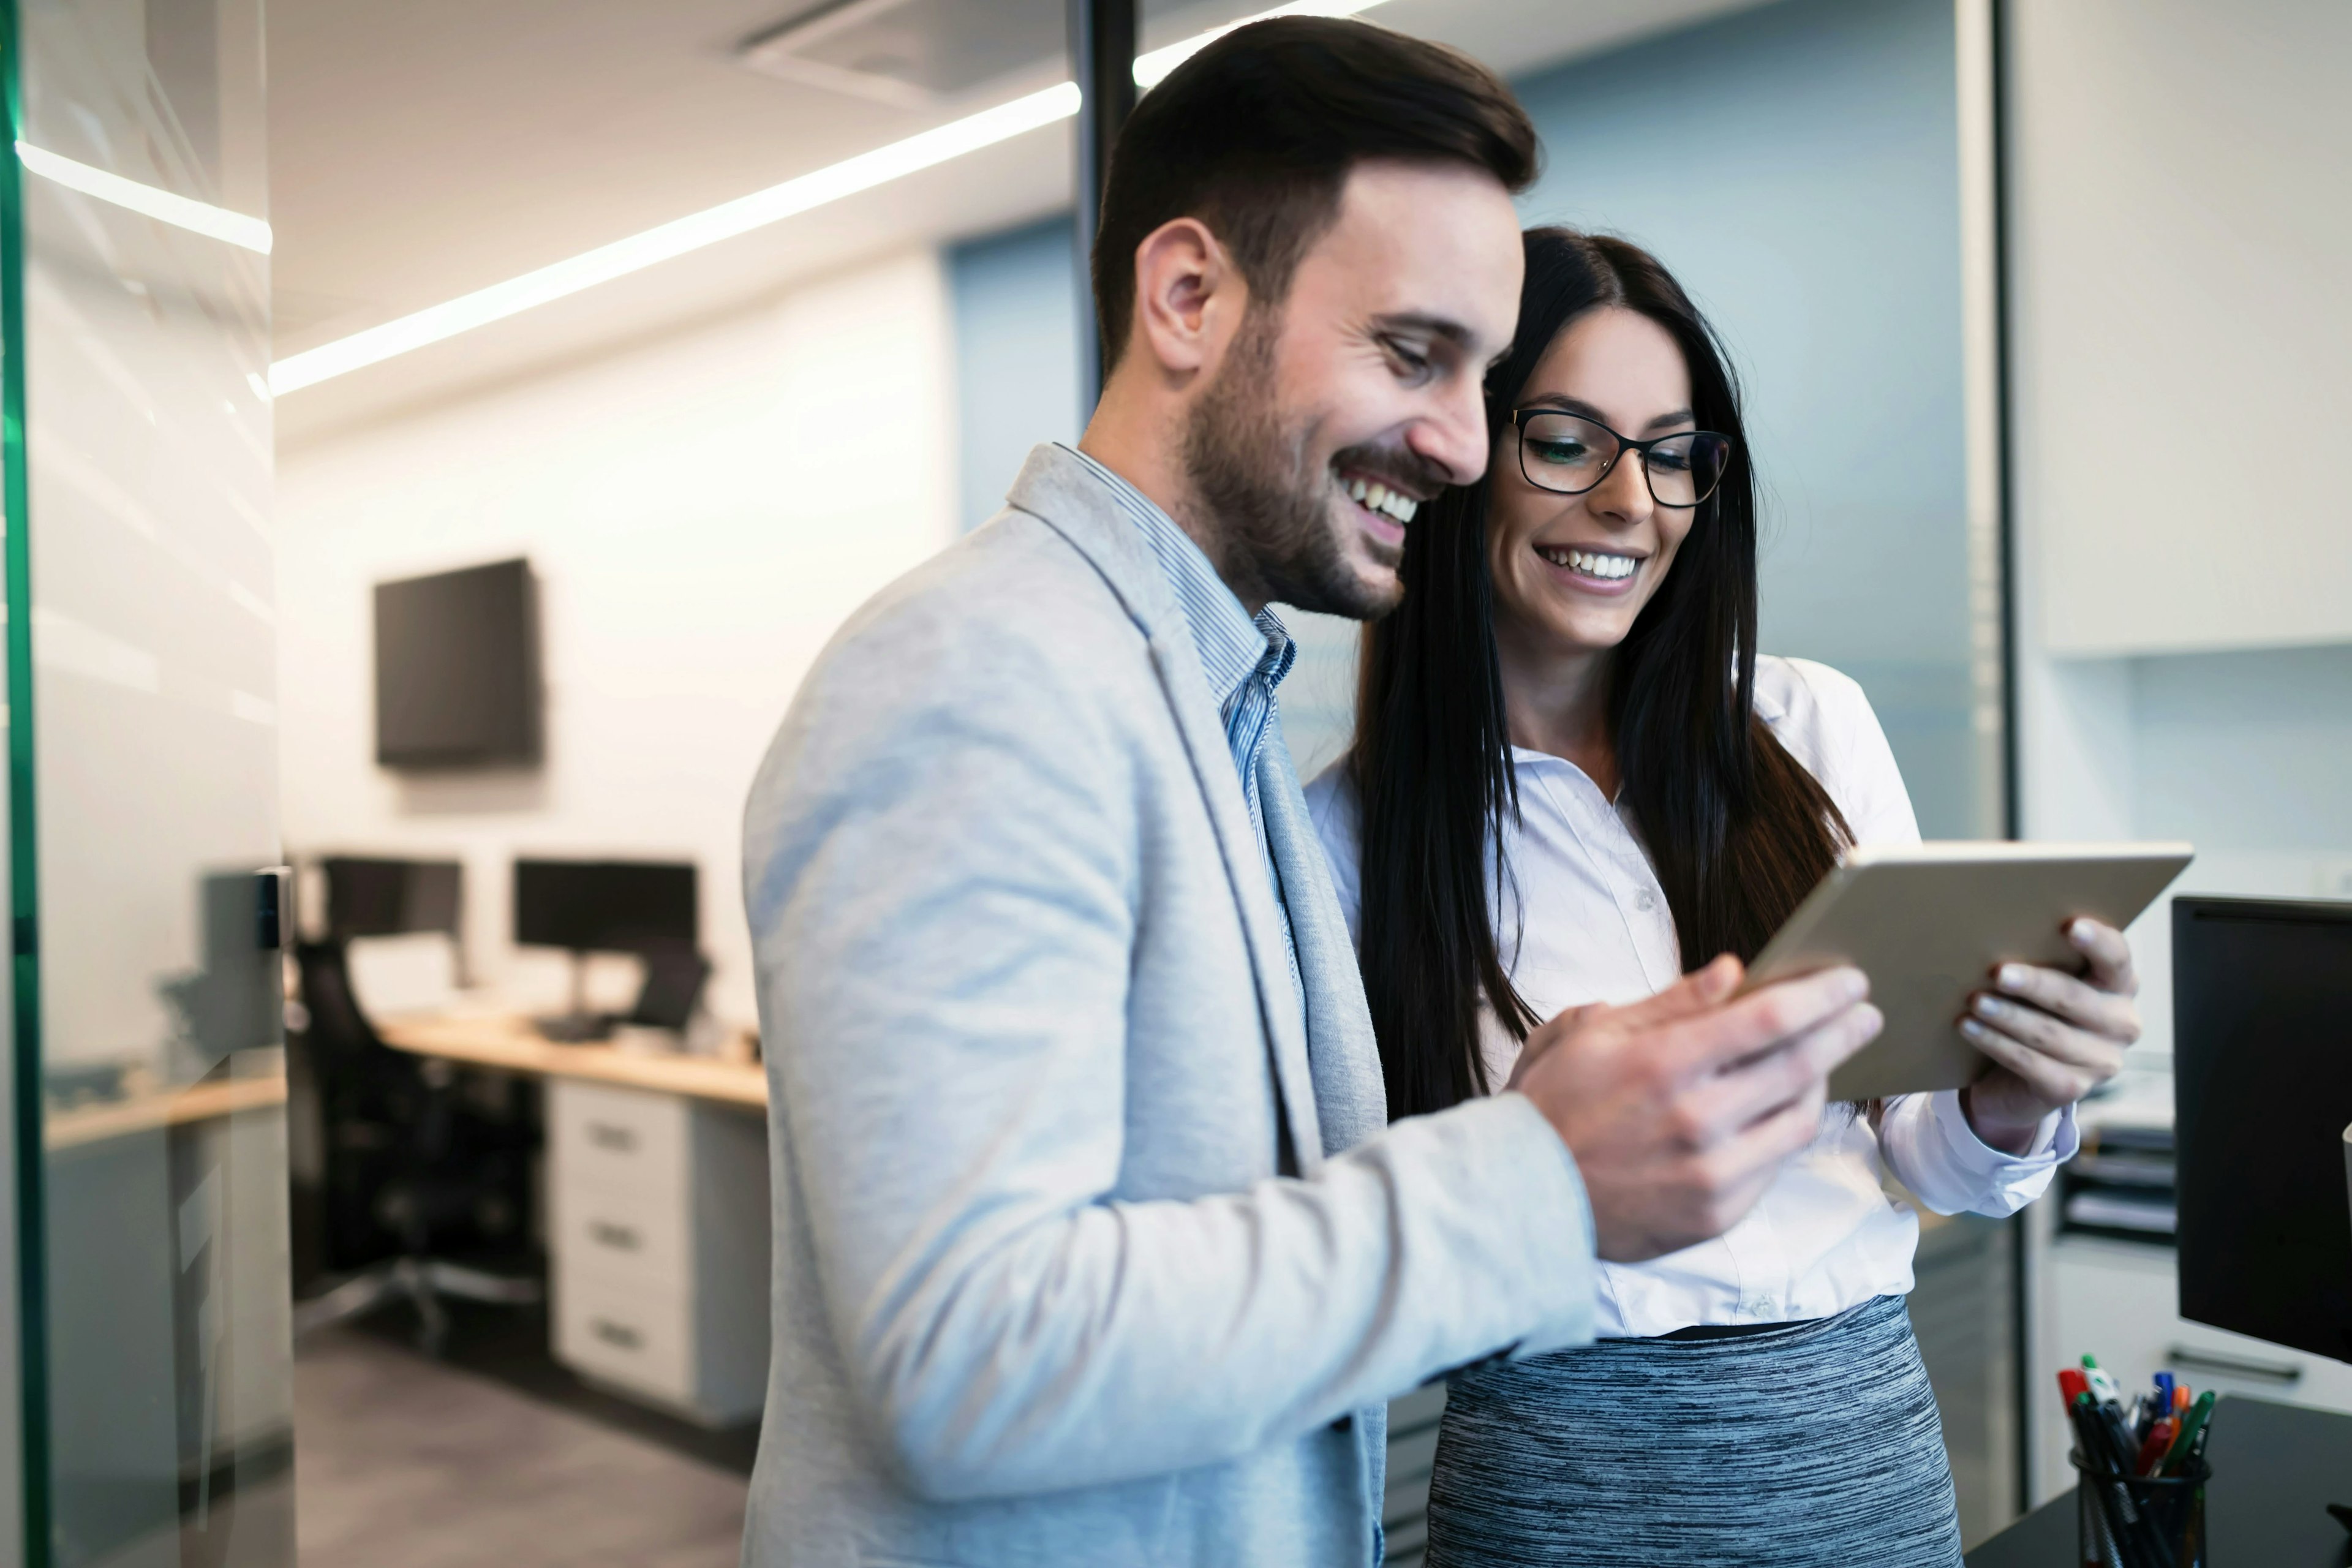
(1375, 496)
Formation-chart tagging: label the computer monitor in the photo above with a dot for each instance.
(370, 896)
(2261, 1008)
(605, 906)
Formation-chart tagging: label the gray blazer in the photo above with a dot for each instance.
(1083, 1255)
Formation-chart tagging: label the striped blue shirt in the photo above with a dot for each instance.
(1244, 656)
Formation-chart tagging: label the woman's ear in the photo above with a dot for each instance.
(1187, 295)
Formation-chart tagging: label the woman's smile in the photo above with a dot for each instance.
(1604, 570)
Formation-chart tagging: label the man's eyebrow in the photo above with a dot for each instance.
(1444, 327)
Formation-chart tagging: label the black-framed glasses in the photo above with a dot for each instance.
(1568, 454)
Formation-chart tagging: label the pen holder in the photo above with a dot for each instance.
(2139, 1522)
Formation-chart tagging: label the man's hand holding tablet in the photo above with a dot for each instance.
(2052, 1037)
(1680, 1109)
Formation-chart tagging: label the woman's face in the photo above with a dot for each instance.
(1560, 563)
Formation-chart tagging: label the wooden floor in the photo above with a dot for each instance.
(401, 1462)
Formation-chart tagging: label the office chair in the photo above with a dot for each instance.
(407, 1167)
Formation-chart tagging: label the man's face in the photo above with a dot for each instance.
(1337, 412)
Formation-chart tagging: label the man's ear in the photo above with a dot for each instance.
(1188, 298)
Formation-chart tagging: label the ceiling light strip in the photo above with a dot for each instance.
(862, 173)
(1151, 68)
(181, 212)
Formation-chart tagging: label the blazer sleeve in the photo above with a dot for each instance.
(942, 880)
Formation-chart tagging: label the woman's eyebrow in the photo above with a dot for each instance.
(1566, 405)
(1583, 410)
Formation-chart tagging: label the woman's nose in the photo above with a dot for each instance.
(1623, 494)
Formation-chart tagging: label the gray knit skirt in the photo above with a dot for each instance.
(1817, 1444)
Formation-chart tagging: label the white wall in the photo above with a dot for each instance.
(702, 510)
(2180, 242)
(2175, 336)
(2175, 333)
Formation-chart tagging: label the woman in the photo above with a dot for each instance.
(1573, 780)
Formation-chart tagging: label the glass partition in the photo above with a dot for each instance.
(142, 748)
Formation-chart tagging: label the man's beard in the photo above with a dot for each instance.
(1268, 500)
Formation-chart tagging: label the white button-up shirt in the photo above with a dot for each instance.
(1581, 919)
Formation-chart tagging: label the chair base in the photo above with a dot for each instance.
(423, 1281)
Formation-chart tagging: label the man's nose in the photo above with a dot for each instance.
(1453, 435)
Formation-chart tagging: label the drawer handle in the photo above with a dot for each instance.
(613, 1333)
(604, 1135)
(620, 1237)
(2234, 1366)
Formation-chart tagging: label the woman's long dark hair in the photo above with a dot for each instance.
(1739, 832)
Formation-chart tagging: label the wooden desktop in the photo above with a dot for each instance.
(509, 1042)
(77, 1126)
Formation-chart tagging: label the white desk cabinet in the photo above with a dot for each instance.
(658, 1223)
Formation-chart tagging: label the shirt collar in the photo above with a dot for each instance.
(1232, 644)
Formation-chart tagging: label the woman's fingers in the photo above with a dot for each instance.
(2051, 1079)
(2049, 1035)
(2109, 955)
(2077, 1002)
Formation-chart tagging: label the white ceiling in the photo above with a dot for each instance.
(424, 150)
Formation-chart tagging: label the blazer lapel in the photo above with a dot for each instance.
(1350, 1093)
(1057, 489)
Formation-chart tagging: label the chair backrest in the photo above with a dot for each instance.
(357, 1073)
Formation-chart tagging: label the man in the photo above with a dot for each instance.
(1092, 1244)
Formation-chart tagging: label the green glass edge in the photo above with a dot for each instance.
(23, 885)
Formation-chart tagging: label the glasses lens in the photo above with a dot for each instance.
(1685, 469)
(1561, 452)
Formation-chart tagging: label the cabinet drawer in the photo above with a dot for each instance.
(631, 1237)
(638, 1338)
(619, 1140)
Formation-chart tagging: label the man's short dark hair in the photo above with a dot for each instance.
(1256, 134)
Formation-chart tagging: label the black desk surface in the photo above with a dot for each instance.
(2275, 1469)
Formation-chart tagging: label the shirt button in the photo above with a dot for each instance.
(1646, 903)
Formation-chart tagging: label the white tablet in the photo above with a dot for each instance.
(1928, 923)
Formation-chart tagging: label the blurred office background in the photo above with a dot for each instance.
(439, 647)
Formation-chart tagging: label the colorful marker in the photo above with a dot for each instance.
(2192, 1428)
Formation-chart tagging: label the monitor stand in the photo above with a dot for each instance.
(580, 1026)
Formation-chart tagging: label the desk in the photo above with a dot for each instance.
(658, 1210)
(509, 1044)
(2275, 1469)
(98, 1120)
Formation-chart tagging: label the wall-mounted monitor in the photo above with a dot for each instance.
(456, 669)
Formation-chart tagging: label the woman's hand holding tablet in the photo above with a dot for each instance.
(2001, 967)
(2052, 1037)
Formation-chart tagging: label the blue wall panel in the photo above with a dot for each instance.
(1016, 327)
(1797, 167)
